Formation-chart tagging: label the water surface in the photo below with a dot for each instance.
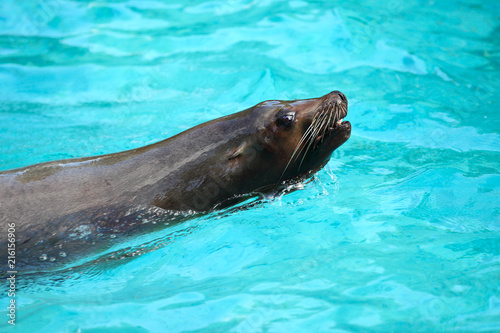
(401, 230)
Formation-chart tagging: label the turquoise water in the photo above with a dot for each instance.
(401, 230)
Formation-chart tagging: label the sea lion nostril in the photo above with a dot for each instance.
(342, 97)
(337, 97)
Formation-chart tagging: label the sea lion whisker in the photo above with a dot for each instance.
(308, 132)
(297, 150)
(316, 131)
(303, 141)
(338, 111)
(325, 128)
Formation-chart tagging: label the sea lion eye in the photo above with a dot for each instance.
(286, 120)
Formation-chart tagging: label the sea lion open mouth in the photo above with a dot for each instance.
(328, 119)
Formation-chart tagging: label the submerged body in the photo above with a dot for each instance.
(61, 209)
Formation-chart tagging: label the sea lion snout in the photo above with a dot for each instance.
(333, 107)
(336, 98)
(340, 95)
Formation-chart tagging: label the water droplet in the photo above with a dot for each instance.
(62, 254)
(52, 259)
(43, 257)
(112, 236)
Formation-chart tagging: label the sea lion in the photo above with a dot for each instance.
(62, 209)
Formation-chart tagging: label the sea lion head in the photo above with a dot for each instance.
(291, 139)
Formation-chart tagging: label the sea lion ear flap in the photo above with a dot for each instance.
(239, 151)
